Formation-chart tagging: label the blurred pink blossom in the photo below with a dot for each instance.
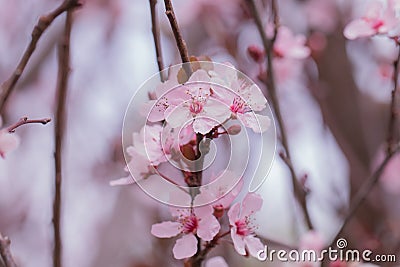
(321, 15)
(241, 221)
(379, 18)
(289, 45)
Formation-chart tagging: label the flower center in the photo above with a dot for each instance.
(242, 228)
(238, 106)
(199, 99)
(376, 24)
(189, 224)
(245, 226)
(196, 107)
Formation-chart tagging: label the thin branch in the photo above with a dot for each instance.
(363, 192)
(299, 192)
(44, 22)
(5, 251)
(24, 121)
(155, 29)
(60, 122)
(391, 139)
(180, 42)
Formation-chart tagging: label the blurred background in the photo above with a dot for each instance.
(335, 104)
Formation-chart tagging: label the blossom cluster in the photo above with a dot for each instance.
(211, 101)
(179, 111)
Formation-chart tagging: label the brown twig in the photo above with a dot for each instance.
(180, 42)
(5, 252)
(364, 191)
(60, 122)
(391, 139)
(155, 29)
(24, 121)
(44, 22)
(268, 43)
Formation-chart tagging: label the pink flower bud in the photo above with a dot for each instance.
(234, 129)
(256, 53)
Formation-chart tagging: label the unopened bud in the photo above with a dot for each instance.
(256, 53)
(218, 211)
(234, 129)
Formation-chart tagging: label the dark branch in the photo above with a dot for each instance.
(5, 252)
(60, 122)
(299, 192)
(24, 121)
(44, 22)
(155, 29)
(365, 189)
(180, 42)
(391, 139)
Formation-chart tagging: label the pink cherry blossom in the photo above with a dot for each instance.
(188, 104)
(243, 102)
(241, 221)
(188, 223)
(379, 18)
(201, 110)
(288, 45)
(321, 15)
(145, 153)
(216, 262)
(170, 94)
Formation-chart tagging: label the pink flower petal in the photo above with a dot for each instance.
(238, 242)
(217, 110)
(203, 211)
(178, 116)
(199, 76)
(358, 28)
(208, 228)
(204, 125)
(253, 244)
(258, 123)
(256, 101)
(185, 247)
(251, 204)
(233, 213)
(216, 262)
(165, 229)
(8, 142)
(123, 181)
